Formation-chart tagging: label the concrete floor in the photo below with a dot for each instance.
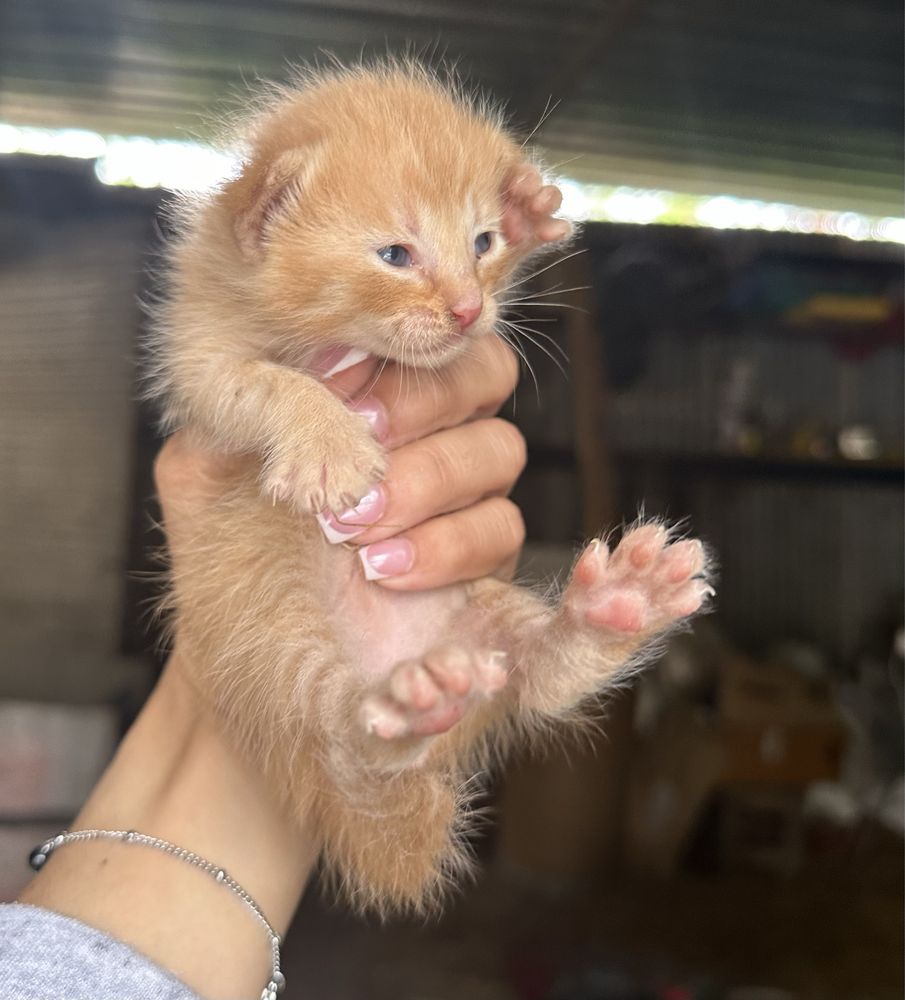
(835, 933)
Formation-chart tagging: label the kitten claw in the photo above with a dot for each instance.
(331, 476)
(681, 561)
(381, 720)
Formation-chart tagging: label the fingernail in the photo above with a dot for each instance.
(337, 360)
(352, 522)
(390, 558)
(373, 411)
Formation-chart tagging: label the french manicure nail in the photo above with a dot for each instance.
(354, 521)
(337, 360)
(393, 557)
(373, 411)
(367, 511)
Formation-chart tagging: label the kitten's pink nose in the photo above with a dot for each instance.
(466, 312)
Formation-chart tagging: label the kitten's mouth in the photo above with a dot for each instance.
(429, 342)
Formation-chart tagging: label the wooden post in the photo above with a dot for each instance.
(562, 816)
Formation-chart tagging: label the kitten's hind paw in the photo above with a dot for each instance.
(429, 696)
(644, 585)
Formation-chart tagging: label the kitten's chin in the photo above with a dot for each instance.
(436, 354)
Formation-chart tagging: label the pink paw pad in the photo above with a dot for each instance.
(645, 583)
(427, 697)
(623, 612)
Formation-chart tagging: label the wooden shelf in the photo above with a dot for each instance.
(728, 465)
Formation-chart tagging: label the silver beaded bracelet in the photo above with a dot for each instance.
(38, 857)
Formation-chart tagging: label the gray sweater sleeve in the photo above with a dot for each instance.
(46, 956)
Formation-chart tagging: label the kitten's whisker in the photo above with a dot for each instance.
(523, 328)
(552, 305)
(404, 368)
(417, 369)
(542, 348)
(519, 350)
(434, 375)
(514, 347)
(548, 110)
(556, 167)
(373, 379)
(546, 336)
(534, 319)
(541, 270)
(558, 285)
(398, 348)
(530, 335)
(556, 289)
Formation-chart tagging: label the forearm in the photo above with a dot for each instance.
(174, 778)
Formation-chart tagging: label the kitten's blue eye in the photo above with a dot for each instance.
(482, 243)
(396, 255)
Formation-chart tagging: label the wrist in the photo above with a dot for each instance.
(198, 792)
(221, 807)
(176, 778)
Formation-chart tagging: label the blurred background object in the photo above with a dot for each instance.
(735, 359)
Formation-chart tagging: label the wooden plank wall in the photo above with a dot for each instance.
(67, 339)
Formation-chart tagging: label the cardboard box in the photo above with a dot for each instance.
(675, 773)
(561, 815)
(777, 727)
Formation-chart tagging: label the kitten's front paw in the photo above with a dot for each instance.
(429, 696)
(330, 474)
(644, 585)
(529, 204)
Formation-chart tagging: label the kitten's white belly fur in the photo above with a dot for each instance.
(378, 628)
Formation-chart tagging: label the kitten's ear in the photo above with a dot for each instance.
(262, 199)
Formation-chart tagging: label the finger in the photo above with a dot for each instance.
(466, 545)
(506, 570)
(436, 475)
(527, 182)
(546, 201)
(403, 404)
(350, 373)
(419, 402)
(344, 370)
(553, 230)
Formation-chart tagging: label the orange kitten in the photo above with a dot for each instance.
(380, 211)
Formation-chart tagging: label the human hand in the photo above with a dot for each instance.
(529, 206)
(442, 511)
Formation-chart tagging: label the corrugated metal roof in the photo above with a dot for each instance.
(791, 101)
(802, 97)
